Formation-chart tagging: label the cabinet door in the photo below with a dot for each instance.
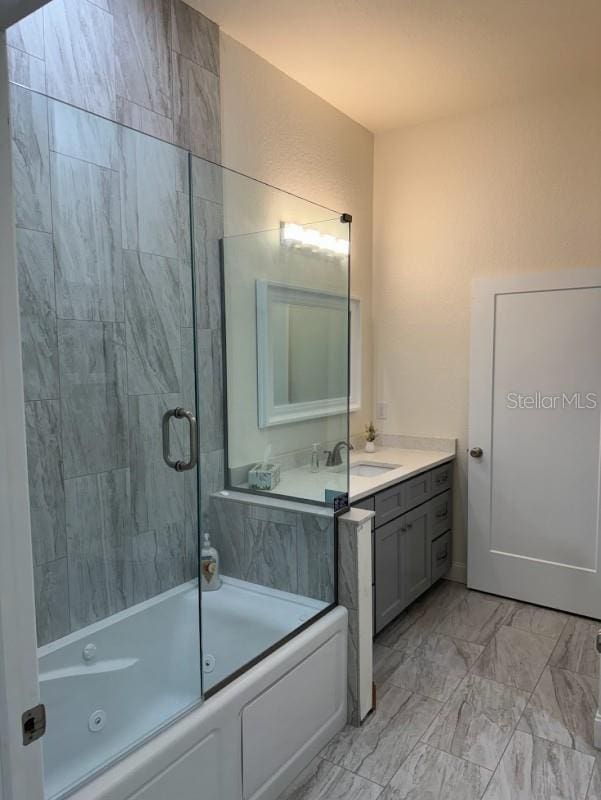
(389, 573)
(416, 553)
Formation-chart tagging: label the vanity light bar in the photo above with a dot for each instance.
(299, 236)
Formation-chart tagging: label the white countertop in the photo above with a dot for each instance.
(301, 482)
(411, 462)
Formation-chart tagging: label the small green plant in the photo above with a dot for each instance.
(370, 432)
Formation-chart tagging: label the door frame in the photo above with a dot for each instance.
(21, 776)
(483, 303)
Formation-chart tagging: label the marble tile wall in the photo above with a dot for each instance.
(152, 65)
(105, 280)
(290, 550)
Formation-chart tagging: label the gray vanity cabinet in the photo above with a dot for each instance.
(411, 540)
(416, 555)
(390, 589)
(403, 562)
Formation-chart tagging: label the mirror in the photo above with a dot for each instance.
(302, 353)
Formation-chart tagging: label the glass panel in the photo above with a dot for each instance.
(105, 280)
(273, 274)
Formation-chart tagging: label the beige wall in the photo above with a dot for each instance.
(277, 131)
(512, 189)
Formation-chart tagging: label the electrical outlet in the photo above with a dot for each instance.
(381, 409)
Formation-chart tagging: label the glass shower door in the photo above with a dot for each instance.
(107, 318)
(273, 344)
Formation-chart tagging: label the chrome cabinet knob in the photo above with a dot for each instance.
(476, 452)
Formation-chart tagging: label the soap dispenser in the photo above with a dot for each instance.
(209, 565)
(315, 458)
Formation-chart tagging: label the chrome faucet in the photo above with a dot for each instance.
(334, 458)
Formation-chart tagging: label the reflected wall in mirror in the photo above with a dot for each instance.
(302, 349)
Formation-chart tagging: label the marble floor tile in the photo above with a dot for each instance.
(515, 658)
(46, 489)
(575, 649)
(386, 660)
(26, 70)
(414, 626)
(208, 230)
(562, 709)
(436, 667)
(93, 372)
(594, 789)
(534, 769)
(28, 34)
(30, 159)
(87, 233)
(82, 135)
(390, 634)
(478, 720)
(37, 304)
(432, 774)
(80, 68)
(143, 55)
(535, 619)
(378, 748)
(195, 36)
(196, 104)
(445, 594)
(153, 316)
(148, 196)
(51, 600)
(325, 781)
(476, 618)
(157, 490)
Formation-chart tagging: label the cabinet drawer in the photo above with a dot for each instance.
(390, 504)
(441, 556)
(367, 503)
(441, 512)
(442, 478)
(418, 490)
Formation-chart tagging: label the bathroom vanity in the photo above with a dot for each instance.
(412, 526)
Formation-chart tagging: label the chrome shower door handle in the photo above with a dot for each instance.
(180, 413)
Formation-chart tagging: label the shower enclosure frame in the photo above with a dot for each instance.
(21, 772)
(20, 766)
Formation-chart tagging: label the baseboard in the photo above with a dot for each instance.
(458, 572)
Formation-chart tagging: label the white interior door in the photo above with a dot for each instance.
(535, 406)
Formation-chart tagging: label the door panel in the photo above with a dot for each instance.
(389, 583)
(535, 385)
(545, 462)
(416, 553)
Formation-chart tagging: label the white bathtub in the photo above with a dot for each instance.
(144, 672)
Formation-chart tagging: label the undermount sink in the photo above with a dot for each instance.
(371, 470)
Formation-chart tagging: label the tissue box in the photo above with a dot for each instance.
(264, 476)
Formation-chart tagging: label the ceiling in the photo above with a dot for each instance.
(390, 63)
